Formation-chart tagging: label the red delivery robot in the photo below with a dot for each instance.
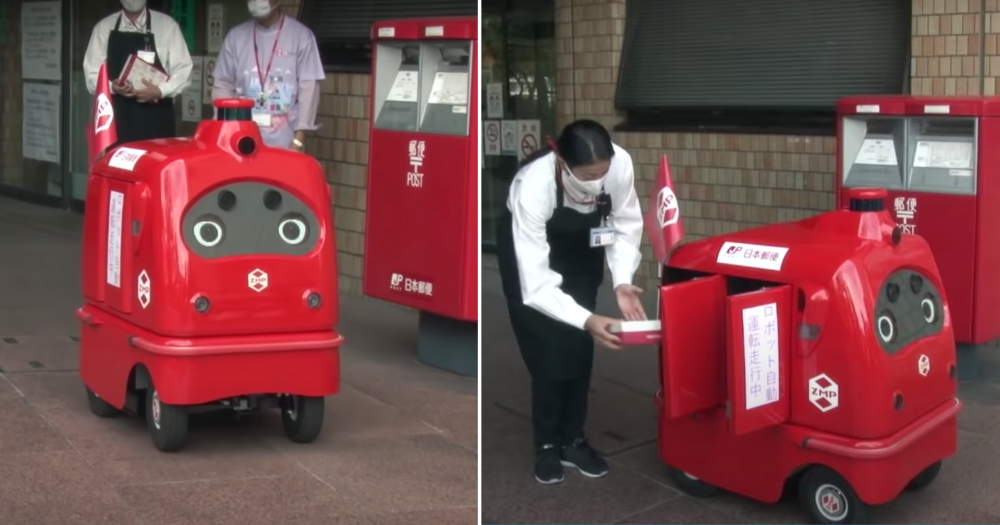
(422, 229)
(209, 281)
(931, 154)
(819, 351)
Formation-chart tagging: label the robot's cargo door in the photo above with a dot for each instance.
(118, 282)
(758, 352)
(693, 366)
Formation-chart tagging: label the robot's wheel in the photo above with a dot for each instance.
(168, 424)
(302, 417)
(829, 498)
(925, 478)
(100, 407)
(691, 485)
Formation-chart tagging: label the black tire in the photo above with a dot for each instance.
(168, 424)
(925, 478)
(302, 417)
(691, 485)
(100, 407)
(828, 498)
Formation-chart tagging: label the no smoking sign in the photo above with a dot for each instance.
(491, 138)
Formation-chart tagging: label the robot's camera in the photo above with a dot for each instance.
(892, 292)
(272, 200)
(227, 200)
(246, 146)
(916, 283)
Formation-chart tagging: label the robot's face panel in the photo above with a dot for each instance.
(908, 309)
(250, 218)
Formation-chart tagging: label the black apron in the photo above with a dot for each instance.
(554, 350)
(134, 120)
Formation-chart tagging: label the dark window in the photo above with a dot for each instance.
(343, 28)
(760, 65)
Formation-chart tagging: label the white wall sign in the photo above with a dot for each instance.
(527, 137)
(191, 99)
(40, 121)
(208, 78)
(491, 137)
(760, 355)
(41, 40)
(116, 207)
(508, 137)
(216, 27)
(494, 100)
(752, 255)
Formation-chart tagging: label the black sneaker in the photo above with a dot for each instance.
(548, 469)
(585, 459)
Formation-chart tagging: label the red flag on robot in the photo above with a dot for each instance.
(101, 133)
(663, 216)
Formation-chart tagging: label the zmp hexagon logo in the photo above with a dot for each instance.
(824, 393)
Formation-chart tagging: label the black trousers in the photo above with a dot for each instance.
(559, 410)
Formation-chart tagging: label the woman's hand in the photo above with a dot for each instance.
(629, 303)
(598, 326)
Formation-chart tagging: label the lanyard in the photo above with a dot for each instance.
(262, 75)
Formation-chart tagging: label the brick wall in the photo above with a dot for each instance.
(728, 182)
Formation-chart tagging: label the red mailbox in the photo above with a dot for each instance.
(209, 280)
(422, 229)
(930, 153)
(820, 350)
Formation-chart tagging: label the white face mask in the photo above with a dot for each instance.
(133, 6)
(585, 188)
(259, 8)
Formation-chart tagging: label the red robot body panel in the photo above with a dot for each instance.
(209, 271)
(957, 224)
(835, 335)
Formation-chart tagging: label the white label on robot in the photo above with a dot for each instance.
(415, 176)
(399, 283)
(760, 355)
(867, 108)
(116, 207)
(752, 255)
(877, 152)
(943, 155)
(824, 393)
(144, 289)
(257, 280)
(125, 158)
(924, 365)
(450, 88)
(404, 88)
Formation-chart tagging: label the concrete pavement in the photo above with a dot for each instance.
(399, 445)
(622, 424)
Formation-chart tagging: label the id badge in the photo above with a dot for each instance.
(147, 56)
(262, 119)
(600, 237)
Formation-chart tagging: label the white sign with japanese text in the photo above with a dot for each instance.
(40, 129)
(216, 27)
(191, 98)
(760, 355)
(752, 255)
(41, 40)
(905, 209)
(399, 283)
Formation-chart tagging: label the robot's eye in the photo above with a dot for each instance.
(892, 292)
(886, 325)
(293, 229)
(916, 283)
(929, 309)
(208, 231)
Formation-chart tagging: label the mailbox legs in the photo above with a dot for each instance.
(448, 344)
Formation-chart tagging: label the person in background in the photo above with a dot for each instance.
(147, 111)
(273, 59)
(571, 205)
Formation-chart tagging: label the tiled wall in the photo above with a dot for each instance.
(732, 182)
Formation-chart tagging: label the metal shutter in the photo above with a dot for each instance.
(763, 54)
(350, 21)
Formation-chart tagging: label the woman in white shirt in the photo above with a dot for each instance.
(571, 206)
